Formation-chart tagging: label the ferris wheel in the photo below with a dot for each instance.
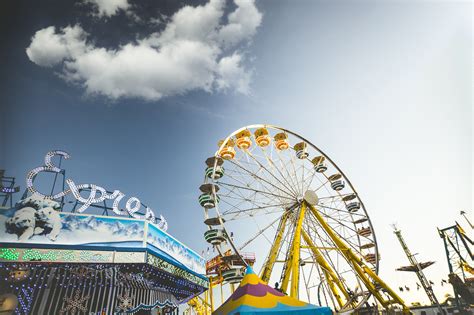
(274, 200)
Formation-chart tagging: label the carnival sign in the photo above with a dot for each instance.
(95, 195)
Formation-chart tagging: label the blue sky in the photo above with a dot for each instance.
(385, 88)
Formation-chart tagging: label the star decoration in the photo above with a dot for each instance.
(75, 304)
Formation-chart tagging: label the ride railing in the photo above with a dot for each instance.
(220, 263)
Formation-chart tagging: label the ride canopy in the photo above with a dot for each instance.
(253, 296)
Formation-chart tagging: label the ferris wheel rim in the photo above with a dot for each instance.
(366, 294)
(255, 126)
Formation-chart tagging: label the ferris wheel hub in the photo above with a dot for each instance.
(311, 197)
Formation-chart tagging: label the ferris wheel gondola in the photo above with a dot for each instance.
(271, 191)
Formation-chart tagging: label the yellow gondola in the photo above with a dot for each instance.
(227, 152)
(243, 139)
(261, 137)
(281, 141)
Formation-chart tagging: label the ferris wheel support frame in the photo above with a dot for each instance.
(294, 261)
(333, 281)
(366, 275)
(268, 266)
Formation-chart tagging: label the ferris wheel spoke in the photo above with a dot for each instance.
(311, 177)
(256, 208)
(253, 190)
(261, 231)
(341, 210)
(294, 170)
(252, 199)
(270, 162)
(302, 177)
(284, 165)
(232, 190)
(258, 177)
(336, 196)
(271, 173)
(250, 184)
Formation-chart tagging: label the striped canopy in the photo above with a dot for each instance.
(253, 296)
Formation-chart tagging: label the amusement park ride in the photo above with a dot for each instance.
(459, 253)
(115, 259)
(291, 204)
(417, 268)
(271, 200)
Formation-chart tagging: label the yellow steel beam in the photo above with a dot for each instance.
(222, 293)
(366, 275)
(295, 265)
(211, 296)
(292, 266)
(272, 256)
(331, 276)
(320, 247)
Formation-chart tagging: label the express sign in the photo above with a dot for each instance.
(96, 193)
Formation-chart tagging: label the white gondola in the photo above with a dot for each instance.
(367, 246)
(233, 275)
(336, 182)
(361, 220)
(370, 258)
(319, 164)
(213, 221)
(353, 206)
(214, 169)
(349, 197)
(364, 231)
(208, 199)
(338, 185)
(301, 150)
(214, 236)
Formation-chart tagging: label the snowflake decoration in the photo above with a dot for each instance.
(81, 272)
(125, 301)
(75, 304)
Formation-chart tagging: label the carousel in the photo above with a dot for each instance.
(58, 261)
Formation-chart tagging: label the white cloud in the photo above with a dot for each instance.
(231, 74)
(194, 51)
(107, 8)
(243, 23)
(49, 48)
